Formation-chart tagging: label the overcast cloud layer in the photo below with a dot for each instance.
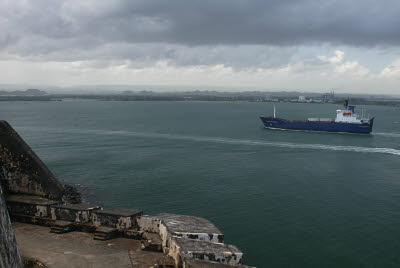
(303, 44)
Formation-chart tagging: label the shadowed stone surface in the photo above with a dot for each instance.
(21, 169)
(9, 255)
(82, 206)
(123, 212)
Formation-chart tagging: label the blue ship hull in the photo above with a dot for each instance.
(330, 126)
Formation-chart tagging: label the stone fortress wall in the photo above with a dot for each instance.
(9, 255)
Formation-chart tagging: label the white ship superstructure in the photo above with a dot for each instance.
(349, 116)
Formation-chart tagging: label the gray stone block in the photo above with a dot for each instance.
(116, 218)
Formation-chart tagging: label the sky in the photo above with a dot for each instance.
(306, 45)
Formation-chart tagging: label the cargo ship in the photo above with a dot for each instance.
(346, 121)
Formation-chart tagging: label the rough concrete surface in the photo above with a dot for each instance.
(77, 249)
(183, 223)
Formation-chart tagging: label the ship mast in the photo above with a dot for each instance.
(274, 111)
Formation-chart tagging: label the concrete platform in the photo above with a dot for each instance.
(78, 249)
(60, 227)
(182, 226)
(105, 233)
(123, 212)
(30, 199)
(77, 207)
(181, 248)
(194, 263)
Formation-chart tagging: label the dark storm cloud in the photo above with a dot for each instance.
(167, 29)
(286, 22)
(235, 22)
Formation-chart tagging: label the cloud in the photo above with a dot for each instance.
(339, 64)
(140, 55)
(296, 75)
(44, 26)
(260, 43)
(392, 71)
(338, 58)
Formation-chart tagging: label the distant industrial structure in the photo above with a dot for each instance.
(328, 97)
(302, 98)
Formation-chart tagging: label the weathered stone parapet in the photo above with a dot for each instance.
(116, 218)
(181, 248)
(185, 237)
(181, 226)
(9, 255)
(150, 224)
(30, 205)
(21, 170)
(77, 213)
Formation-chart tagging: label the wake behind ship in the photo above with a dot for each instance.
(346, 121)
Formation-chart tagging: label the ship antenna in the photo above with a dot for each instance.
(274, 111)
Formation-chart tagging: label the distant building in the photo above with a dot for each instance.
(328, 97)
(269, 98)
(302, 99)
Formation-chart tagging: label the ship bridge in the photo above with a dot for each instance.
(348, 116)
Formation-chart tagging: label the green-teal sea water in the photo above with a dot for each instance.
(285, 198)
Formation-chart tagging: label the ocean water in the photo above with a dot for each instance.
(285, 198)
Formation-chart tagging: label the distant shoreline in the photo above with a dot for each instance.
(33, 94)
(65, 98)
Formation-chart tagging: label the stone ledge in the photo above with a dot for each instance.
(181, 248)
(29, 205)
(195, 263)
(116, 218)
(78, 207)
